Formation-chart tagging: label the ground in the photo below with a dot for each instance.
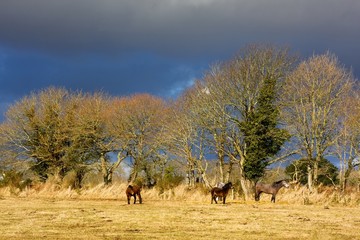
(33, 218)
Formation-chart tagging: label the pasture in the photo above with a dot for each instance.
(66, 218)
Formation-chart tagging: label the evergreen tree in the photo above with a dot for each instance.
(263, 136)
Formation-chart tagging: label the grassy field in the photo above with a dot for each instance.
(40, 218)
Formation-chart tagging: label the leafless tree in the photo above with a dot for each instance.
(186, 137)
(312, 99)
(347, 147)
(140, 121)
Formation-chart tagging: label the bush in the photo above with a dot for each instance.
(12, 178)
(327, 176)
(170, 180)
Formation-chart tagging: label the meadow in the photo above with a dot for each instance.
(56, 214)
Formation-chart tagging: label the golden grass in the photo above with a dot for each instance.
(294, 195)
(101, 212)
(39, 218)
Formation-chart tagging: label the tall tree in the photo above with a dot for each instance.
(253, 80)
(36, 131)
(187, 135)
(262, 134)
(143, 118)
(214, 119)
(347, 147)
(237, 105)
(312, 98)
(93, 138)
(58, 131)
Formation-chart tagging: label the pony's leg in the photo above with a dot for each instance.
(212, 199)
(257, 196)
(134, 198)
(215, 199)
(273, 198)
(224, 198)
(140, 199)
(128, 198)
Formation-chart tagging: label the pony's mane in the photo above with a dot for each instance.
(226, 185)
(278, 182)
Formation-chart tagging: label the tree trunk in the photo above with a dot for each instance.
(190, 172)
(228, 173)
(346, 178)
(79, 178)
(202, 171)
(221, 167)
(310, 179)
(316, 170)
(107, 178)
(243, 182)
(104, 170)
(107, 171)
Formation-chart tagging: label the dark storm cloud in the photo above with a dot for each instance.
(185, 27)
(156, 46)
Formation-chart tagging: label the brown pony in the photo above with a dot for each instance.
(269, 189)
(132, 191)
(220, 192)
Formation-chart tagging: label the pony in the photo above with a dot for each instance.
(220, 192)
(132, 191)
(269, 189)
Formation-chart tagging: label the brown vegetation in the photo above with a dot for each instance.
(103, 213)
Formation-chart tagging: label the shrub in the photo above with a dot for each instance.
(12, 178)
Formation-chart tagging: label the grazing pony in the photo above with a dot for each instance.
(220, 192)
(132, 191)
(269, 189)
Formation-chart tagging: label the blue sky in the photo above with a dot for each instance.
(157, 46)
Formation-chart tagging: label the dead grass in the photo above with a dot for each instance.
(30, 218)
(49, 212)
(293, 195)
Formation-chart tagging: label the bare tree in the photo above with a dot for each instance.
(347, 147)
(237, 88)
(141, 122)
(95, 134)
(186, 136)
(312, 99)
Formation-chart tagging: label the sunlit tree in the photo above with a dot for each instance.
(312, 98)
(141, 119)
(347, 147)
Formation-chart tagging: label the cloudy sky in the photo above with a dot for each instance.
(156, 46)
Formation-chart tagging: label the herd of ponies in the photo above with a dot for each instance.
(220, 191)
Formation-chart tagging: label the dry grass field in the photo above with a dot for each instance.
(80, 218)
(100, 212)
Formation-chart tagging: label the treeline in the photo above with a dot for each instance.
(260, 107)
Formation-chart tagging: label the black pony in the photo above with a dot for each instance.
(220, 192)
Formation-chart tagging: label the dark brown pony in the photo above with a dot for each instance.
(132, 191)
(220, 192)
(269, 189)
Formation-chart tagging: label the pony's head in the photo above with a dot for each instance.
(228, 186)
(285, 183)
